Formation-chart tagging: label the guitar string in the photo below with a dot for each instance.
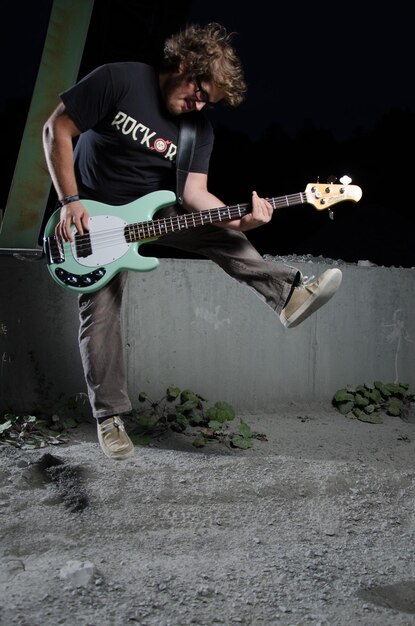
(108, 237)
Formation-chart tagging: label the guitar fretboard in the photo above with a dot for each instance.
(151, 229)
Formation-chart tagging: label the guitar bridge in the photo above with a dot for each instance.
(54, 250)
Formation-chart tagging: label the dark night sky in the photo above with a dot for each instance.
(342, 65)
(321, 79)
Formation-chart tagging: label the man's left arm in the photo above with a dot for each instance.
(197, 197)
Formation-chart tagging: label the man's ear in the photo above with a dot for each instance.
(182, 68)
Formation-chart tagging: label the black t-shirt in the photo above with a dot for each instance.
(128, 140)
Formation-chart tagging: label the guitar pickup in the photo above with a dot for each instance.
(83, 245)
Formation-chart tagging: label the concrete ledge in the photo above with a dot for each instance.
(188, 323)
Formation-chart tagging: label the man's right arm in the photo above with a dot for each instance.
(58, 134)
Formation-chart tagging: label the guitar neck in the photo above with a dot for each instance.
(151, 229)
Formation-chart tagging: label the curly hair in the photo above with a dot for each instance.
(207, 54)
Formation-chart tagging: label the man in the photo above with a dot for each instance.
(125, 119)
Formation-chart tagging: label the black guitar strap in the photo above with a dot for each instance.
(185, 151)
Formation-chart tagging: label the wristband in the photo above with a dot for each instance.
(68, 199)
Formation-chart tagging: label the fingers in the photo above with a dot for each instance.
(261, 208)
(73, 218)
(63, 229)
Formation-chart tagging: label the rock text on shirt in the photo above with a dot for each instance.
(139, 132)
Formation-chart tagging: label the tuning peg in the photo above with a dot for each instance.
(332, 180)
(345, 180)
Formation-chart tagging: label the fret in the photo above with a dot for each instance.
(163, 224)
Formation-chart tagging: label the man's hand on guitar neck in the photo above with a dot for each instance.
(73, 213)
(261, 214)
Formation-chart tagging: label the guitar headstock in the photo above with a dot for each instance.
(324, 195)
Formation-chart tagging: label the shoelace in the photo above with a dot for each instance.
(305, 281)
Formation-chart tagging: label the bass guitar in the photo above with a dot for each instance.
(115, 233)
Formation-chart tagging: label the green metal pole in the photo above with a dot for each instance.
(59, 66)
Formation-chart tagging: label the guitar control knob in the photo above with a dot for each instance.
(328, 189)
(313, 189)
(323, 201)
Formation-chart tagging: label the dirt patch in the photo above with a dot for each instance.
(315, 525)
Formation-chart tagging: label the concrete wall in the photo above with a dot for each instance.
(189, 324)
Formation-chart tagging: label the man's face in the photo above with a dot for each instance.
(182, 94)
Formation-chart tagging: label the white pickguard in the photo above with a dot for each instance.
(107, 241)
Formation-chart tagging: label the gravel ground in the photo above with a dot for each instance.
(315, 525)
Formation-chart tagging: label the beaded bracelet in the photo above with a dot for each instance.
(68, 199)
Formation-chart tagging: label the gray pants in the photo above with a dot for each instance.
(100, 336)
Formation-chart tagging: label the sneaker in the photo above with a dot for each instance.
(113, 439)
(308, 297)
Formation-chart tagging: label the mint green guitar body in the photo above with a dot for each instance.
(111, 244)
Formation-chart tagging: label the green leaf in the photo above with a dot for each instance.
(221, 412)
(345, 407)
(360, 400)
(187, 395)
(342, 395)
(172, 393)
(241, 442)
(394, 407)
(362, 390)
(195, 418)
(70, 423)
(245, 430)
(180, 423)
(5, 426)
(215, 425)
(9, 417)
(375, 396)
(396, 389)
(188, 405)
(29, 418)
(382, 388)
(374, 418)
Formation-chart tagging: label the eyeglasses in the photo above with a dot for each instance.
(204, 96)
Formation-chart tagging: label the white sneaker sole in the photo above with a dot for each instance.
(329, 284)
